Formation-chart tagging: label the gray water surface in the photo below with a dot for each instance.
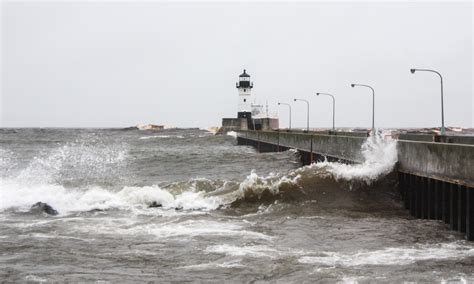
(227, 213)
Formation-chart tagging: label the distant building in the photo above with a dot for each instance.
(150, 127)
(249, 116)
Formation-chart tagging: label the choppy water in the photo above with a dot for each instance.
(227, 213)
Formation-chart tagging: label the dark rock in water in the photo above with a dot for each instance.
(129, 128)
(96, 210)
(178, 208)
(155, 204)
(44, 207)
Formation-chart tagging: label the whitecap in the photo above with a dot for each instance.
(154, 137)
(250, 251)
(392, 256)
(67, 200)
(176, 229)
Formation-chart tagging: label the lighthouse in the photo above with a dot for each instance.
(249, 116)
(244, 86)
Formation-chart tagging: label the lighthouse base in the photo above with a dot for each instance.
(244, 121)
(234, 124)
(248, 117)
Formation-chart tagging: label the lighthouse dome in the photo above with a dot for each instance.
(244, 74)
(244, 82)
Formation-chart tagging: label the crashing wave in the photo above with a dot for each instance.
(37, 183)
(380, 156)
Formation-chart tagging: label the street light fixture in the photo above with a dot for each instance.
(413, 70)
(333, 109)
(289, 106)
(307, 113)
(373, 102)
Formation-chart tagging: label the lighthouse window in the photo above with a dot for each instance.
(245, 90)
(245, 100)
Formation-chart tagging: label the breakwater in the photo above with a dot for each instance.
(436, 180)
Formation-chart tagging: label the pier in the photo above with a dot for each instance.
(435, 173)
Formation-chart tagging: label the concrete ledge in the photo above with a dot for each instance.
(340, 147)
(436, 138)
(300, 141)
(444, 161)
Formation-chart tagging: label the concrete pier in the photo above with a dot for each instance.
(436, 180)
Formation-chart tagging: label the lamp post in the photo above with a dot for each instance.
(289, 106)
(373, 102)
(443, 130)
(307, 113)
(333, 109)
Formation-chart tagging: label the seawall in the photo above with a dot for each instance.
(436, 180)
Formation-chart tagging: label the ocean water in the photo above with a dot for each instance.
(226, 213)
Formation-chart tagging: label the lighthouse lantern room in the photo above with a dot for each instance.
(244, 87)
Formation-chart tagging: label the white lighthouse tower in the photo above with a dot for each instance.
(249, 116)
(244, 106)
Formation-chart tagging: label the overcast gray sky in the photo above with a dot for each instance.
(114, 64)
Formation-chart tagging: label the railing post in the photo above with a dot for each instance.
(419, 197)
(438, 200)
(424, 198)
(470, 213)
(407, 191)
(412, 195)
(401, 186)
(432, 198)
(446, 202)
(453, 206)
(461, 208)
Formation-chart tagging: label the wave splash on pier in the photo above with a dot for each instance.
(380, 156)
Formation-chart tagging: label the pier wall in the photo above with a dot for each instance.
(436, 180)
(332, 147)
(449, 162)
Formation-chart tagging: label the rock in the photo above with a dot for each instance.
(44, 207)
(130, 128)
(96, 210)
(155, 204)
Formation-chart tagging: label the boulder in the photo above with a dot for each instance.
(43, 207)
(154, 204)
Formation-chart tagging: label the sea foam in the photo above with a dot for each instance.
(392, 256)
